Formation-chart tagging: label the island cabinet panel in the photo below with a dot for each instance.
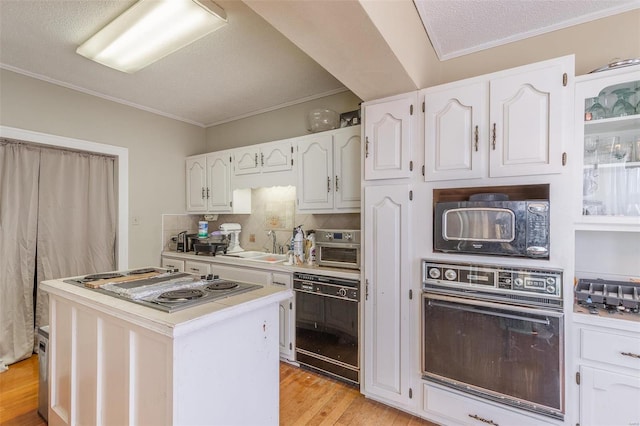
(117, 363)
(106, 371)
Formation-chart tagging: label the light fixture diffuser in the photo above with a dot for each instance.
(150, 30)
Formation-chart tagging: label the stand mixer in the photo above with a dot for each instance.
(232, 232)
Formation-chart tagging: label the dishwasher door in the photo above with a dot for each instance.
(43, 368)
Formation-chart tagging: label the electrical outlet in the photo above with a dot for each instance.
(135, 220)
(252, 238)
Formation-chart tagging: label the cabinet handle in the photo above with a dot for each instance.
(366, 146)
(366, 289)
(493, 137)
(207, 193)
(632, 355)
(336, 183)
(195, 269)
(203, 192)
(477, 417)
(279, 283)
(328, 184)
(262, 159)
(476, 136)
(255, 159)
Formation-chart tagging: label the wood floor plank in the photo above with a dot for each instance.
(306, 398)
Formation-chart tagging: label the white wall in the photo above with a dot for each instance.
(279, 124)
(157, 148)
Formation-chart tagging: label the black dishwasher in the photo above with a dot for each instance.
(327, 325)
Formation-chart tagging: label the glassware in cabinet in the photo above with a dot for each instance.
(609, 134)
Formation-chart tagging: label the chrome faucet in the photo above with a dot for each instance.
(271, 233)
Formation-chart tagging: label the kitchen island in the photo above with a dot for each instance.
(114, 362)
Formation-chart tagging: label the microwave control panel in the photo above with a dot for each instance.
(493, 278)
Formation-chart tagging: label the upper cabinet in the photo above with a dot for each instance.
(607, 135)
(511, 123)
(208, 185)
(329, 171)
(389, 130)
(263, 158)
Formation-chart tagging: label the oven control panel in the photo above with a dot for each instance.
(492, 278)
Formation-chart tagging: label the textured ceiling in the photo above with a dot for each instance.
(243, 68)
(460, 27)
(248, 66)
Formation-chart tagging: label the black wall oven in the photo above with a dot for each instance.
(327, 325)
(495, 332)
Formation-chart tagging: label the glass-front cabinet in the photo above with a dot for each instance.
(608, 125)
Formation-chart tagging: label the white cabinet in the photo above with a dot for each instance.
(287, 317)
(511, 123)
(208, 180)
(608, 176)
(609, 373)
(197, 268)
(387, 307)
(389, 133)
(329, 171)
(263, 158)
(454, 408)
(172, 264)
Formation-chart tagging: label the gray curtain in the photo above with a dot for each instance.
(61, 207)
(19, 165)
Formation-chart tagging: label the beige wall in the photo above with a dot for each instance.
(594, 43)
(157, 148)
(279, 124)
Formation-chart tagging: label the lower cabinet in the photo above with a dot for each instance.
(198, 268)
(287, 318)
(453, 408)
(173, 264)
(609, 375)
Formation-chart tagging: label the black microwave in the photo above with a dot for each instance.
(501, 228)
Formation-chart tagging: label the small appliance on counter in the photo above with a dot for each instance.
(338, 248)
(232, 231)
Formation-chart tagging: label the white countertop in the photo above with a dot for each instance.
(170, 324)
(276, 267)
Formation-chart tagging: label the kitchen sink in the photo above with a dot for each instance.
(259, 256)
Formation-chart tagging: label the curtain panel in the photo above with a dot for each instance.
(58, 219)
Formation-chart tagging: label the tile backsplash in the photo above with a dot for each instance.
(272, 209)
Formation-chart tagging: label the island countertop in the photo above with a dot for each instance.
(169, 324)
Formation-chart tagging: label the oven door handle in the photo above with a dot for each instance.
(485, 312)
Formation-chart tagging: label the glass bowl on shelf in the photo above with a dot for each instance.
(321, 119)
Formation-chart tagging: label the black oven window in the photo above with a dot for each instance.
(500, 350)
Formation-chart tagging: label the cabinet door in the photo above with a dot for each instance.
(608, 398)
(219, 184)
(197, 268)
(388, 134)
(196, 184)
(455, 132)
(527, 118)
(315, 173)
(286, 317)
(246, 161)
(346, 162)
(276, 157)
(387, 269)
(173, 264)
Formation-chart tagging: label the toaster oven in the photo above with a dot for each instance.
(338, 248)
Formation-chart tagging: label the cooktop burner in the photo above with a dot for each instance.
(168, 291)
(222, 285)
(103, 276)
(180, 295)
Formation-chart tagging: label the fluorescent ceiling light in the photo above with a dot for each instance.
(150, 30)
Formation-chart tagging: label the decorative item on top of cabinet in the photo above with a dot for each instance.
(517, 117)
(208, 185)
(329, 171)
(387, 306)
(389, 130)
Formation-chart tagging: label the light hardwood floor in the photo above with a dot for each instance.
(306, 398)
